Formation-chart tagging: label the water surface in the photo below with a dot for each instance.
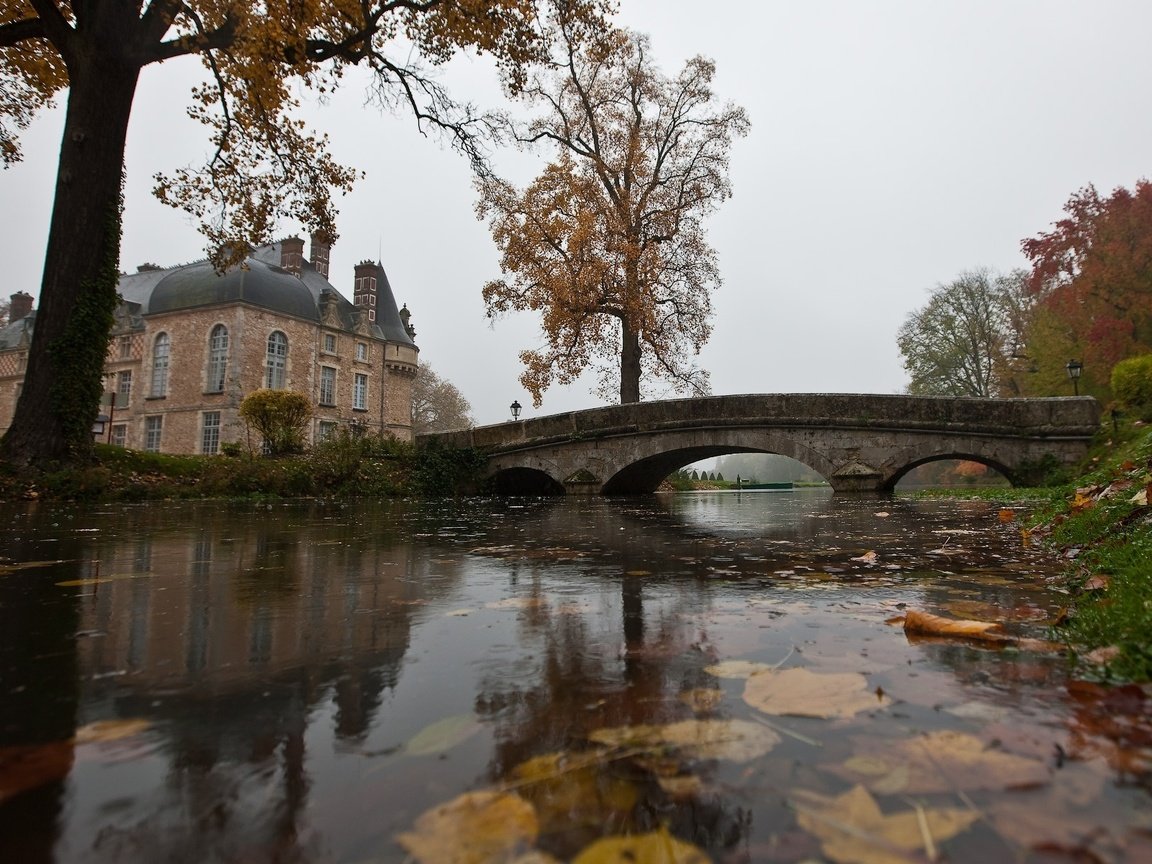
(201, 683)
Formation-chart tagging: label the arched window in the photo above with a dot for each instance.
(277, 361)
(161, 349)
(217, 358)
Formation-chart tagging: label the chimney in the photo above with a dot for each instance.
(21, 306)
(291, 254)
(364, 293)
(321, 252)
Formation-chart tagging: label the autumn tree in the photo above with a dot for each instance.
(266, 164)
(607, 243)
(1092, 280)
(968, 339)
(437, 404)
(279, 417)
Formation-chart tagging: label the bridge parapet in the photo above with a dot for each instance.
(858, 442)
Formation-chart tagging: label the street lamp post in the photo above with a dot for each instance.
(1075, 367)
(515, 408)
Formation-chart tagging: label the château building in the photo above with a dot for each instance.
(189, 344)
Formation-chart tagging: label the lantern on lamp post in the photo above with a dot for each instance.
(515, 409)
(1075, 367)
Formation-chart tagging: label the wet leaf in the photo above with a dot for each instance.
(475, 828)
(442, 735)
(30, 767)
(702, 700)
(1006, 515)
(572, 789)
(867, 558)
(737, 740)
(12, 567)
(738, 669)
(853, 830)
(103, 731)
(802, 693)
(926, 624)
(658, 847)
(944, 761)
(1098, 582)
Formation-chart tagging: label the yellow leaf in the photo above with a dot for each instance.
(474, 828)
(811, 694)
(659, 847)
(573, 789)
(853, 830)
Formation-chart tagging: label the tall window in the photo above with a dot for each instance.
(123, 387)
(120, 434)
(152, 428)
(160, 351)
(217, 358)
(361, 351)
(360, 392)
(125, 344)
(327, 385)
(210, 433)
(329, 343)
(277, 360)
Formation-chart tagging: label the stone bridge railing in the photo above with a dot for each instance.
(858, 442)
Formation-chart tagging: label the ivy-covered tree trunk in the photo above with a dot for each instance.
(60, 399)
(629, 365)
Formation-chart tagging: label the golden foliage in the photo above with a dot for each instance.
(607, 243)
(801, 693)
(474, 828)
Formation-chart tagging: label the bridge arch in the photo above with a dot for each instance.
(653, 458)
(525, 481)
(913, 457)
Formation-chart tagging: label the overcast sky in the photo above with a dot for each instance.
(894, 144)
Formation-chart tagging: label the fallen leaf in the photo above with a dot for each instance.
(883, 514)
(801, 693)
(1006, 515)
(442, 735)
(103, 731)
(853, 830)
(926, 624)
(738, 669)
(702, 700)
(658, 847)
(944, 761)
(1098, 582)
(737, 740)
(867, 558)
(474, 828)
(572, 789)
(1103, 655)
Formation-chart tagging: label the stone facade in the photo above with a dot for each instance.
(189, 344)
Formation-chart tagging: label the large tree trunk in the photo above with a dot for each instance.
(62, 386)
(629, 365)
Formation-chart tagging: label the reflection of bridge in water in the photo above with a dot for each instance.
(859, 443)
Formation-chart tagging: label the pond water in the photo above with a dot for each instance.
(714, 676)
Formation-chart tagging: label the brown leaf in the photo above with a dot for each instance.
(1006, 515)
(853, 830)
(943, 761)
(738, 740)
(927, 624)
(1098, 582)
(103, 731)
(801, 693)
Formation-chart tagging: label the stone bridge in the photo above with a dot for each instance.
(859, 443)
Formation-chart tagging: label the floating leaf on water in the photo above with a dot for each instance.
(638, 573)
(882, 514)
(474, 828)
(682, 786)
(517, 603)
(702, 700)
(867, 558)
(658, 847)
(926, 624)
(572, 789)
(442, 735)
(944, 761)
(458, 613)
(737, 740)
(98, 580)
(12, 567)
(801, 693)
(103, 731)
(853, 830)
(30, 767)
(737, 669)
